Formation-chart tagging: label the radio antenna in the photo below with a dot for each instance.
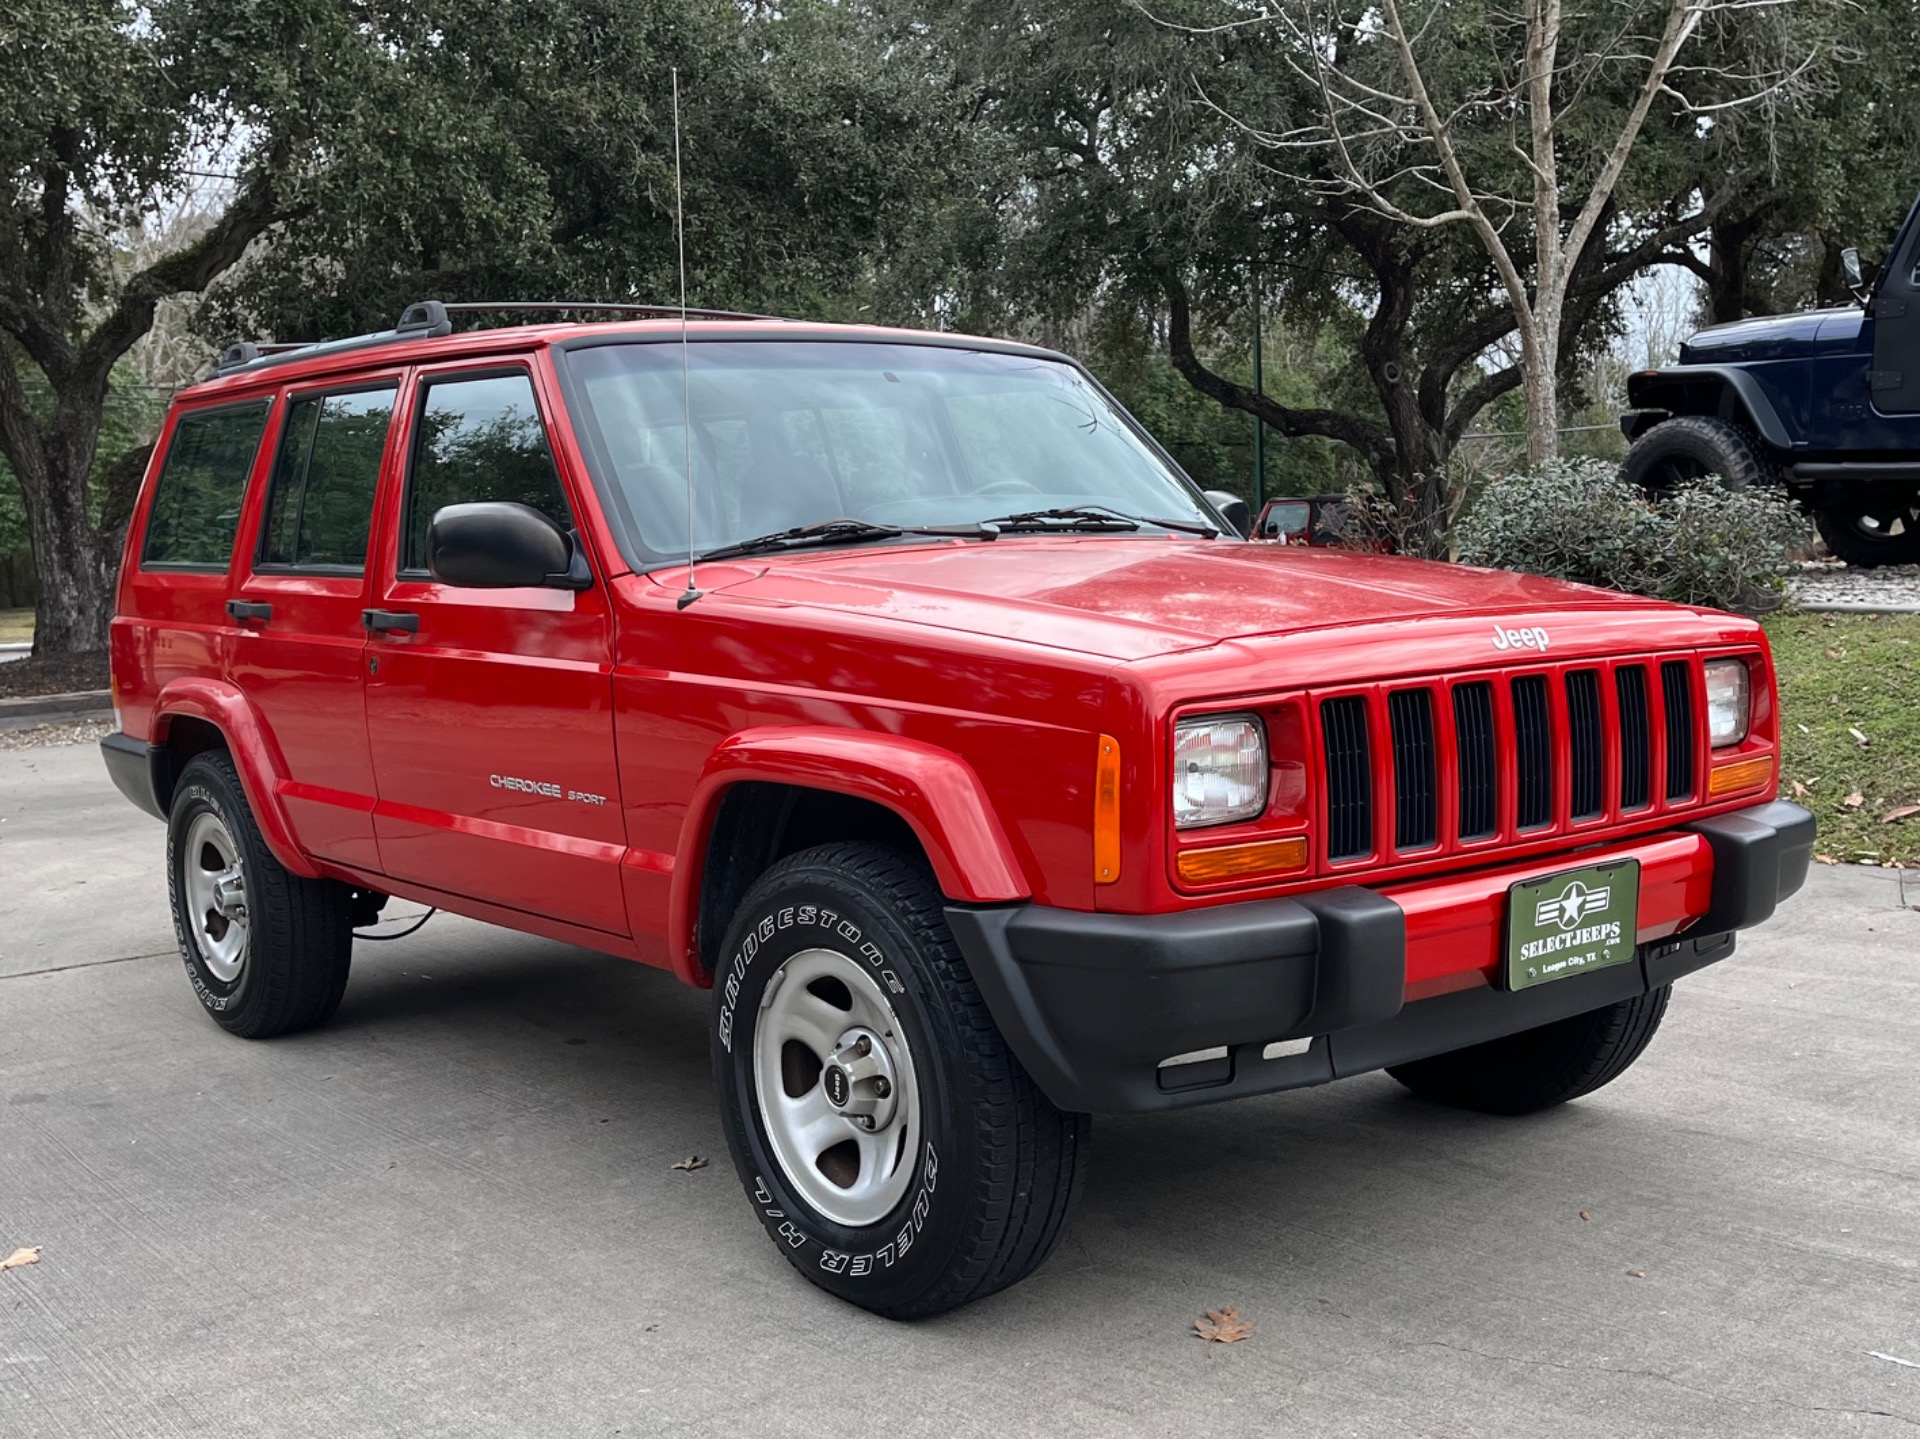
(686, 381)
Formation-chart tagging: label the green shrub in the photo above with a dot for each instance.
(1702, 544)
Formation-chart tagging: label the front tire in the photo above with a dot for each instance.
(267, 951)
(1870, 531)
(893, 1147)
(1687, 448)
(1539, 1068)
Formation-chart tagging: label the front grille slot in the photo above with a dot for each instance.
(1479, 760)
(1533, 752)
(1636, 742)
(1416, 785)
(1349, 778)
(1583, 743)
(1676, 693)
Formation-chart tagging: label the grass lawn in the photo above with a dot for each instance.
(1840, 673)
(16, 626)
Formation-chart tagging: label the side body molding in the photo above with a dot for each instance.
(934, 790)
(255, 755)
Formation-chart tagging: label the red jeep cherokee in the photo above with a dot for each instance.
(986, 777)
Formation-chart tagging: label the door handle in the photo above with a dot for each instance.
(249, 610)
(379, 622)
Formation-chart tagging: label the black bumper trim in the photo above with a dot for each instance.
(1092, 1003)
(136, 769)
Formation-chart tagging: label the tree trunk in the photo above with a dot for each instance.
(1540, 354)
(74, 564)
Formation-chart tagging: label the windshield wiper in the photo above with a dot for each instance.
(1095, 517)
(840, 532)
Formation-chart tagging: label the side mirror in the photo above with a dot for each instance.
(1233, 510)
(1850, 267)
(497, 545)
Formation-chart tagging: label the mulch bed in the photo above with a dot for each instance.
(53, 674)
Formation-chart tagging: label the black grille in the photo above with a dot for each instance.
(1416, 794)
(1583, 743)
(1349, 778)
(1533, 752)
(1676, 692)
(1479, 761)
(1636, 752)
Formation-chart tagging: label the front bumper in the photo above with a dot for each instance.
(1282, 993)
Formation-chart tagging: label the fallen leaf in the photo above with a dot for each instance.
(1864, 741)
(1826, 859)
(691, 1163)
(21, 1257)
(1799, 788)
(1906, 811)
(1854, 800)
(1223, 1326)
(1585, 1215)
(1636, 1274)
(1803, 728)
(1833, 654)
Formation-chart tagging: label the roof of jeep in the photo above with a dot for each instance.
(387, 351)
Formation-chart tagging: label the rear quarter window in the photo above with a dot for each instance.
(203, 481)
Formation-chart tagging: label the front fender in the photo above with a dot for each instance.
(255, 755)
(932, 789)
(1723, 390)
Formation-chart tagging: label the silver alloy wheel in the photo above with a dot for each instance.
(836, 1087)
(214, 890)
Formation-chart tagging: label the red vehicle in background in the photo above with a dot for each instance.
(900, 690)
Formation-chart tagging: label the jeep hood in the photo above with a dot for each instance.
(1768, 337)
(1132, 598)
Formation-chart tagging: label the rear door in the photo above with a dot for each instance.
(490, 711)
(300, 652)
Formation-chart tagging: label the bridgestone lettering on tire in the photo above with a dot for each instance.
(295, 936)
(1539, 1068)
(962, 1184)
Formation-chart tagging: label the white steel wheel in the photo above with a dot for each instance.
(213, 882)
(836, 1088)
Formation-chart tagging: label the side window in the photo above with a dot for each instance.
(321, 505)
(196, 504)
(479, 439)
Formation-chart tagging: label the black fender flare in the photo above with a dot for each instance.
(1656, 394)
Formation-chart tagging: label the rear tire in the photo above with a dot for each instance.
(1686, 448)
(267, 951)
(962, 1183)
(1887, 533)
(1539, 1068)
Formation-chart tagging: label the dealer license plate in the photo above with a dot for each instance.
(1571, 922)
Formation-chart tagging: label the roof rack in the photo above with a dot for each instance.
(427, 320)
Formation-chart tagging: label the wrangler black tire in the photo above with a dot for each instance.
(1690, 447)
(1873, 529)
(970, 1190)
(1539, 1068)
(295, 940)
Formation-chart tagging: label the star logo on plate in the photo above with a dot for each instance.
(1572, 904)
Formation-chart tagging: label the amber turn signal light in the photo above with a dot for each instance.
(1106, 811)
(1244, 861)
(1741, 775)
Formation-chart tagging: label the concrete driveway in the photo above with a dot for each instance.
(453, 1211)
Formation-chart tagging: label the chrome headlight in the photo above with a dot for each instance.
(1729, 702)
(1219, 770)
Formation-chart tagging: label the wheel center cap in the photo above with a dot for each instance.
(858, 1080)
(839, 1087)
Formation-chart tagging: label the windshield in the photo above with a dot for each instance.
(795, 433)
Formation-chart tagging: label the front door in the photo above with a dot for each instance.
(297, 653)
(1894, 382)
(490, 711)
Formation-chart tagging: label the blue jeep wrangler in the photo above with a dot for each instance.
(1825, 401)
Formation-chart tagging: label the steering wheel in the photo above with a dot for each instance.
(1008, 487)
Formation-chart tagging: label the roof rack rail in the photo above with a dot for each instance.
(428, 319)
(622, 307)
